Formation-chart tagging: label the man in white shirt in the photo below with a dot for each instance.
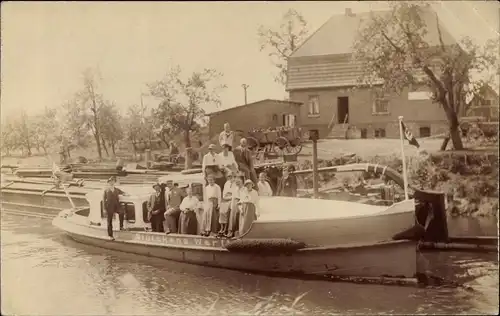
(263, 186)
(226, 137)
(188, 223)
(211, 165)
(213, 197)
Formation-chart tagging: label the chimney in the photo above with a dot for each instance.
(348, 12)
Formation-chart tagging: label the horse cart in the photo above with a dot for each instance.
(281, 140)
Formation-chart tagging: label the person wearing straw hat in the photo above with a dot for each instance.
(111, 203)
(213, 197)
(234, 214)
(188, 223)
(249, 201)
(212, 165)
(156, 209)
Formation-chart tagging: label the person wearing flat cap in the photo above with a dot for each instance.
(249, 201)
(111, 203)
(156, 209)
(212, 165)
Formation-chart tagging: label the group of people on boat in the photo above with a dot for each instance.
(230, 199)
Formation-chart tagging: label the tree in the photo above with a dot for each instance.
(182, 100)
(110, 126)
(394, 52)
(91, 101)
(72, 126)
(44, 129)
(139, 125)
(9, 138)
(24, 132)
(281, 42)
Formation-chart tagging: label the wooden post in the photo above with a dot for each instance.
(148, 157)
(315, 168)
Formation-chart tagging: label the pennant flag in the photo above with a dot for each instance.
(409, 136)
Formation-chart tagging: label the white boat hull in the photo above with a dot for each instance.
(354, 260)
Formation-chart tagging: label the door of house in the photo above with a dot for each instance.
(343, 110)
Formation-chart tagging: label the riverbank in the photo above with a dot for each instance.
(469, 178)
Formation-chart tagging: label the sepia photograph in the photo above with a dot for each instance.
(249, 157)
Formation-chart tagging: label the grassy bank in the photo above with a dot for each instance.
(470, 179)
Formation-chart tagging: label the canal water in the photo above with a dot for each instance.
(45, 273)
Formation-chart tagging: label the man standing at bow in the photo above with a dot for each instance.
(111, 201)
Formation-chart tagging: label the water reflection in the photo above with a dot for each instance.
(61, 276)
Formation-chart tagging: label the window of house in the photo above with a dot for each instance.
(275, 118)
(380, 104)
(488, 102)
(313, 109)
(289, 120)
(425, 131)
(379, 133)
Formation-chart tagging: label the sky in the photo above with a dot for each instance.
(47, 45)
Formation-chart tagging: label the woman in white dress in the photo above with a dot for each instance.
(225, 205)
(249, 201)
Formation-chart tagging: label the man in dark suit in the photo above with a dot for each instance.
(156, 208)
(244, 159)
(111, 203)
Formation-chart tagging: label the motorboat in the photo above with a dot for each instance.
(292, 236)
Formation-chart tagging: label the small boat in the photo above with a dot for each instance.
(292, 236)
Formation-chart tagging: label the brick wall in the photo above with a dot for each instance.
(417, 113)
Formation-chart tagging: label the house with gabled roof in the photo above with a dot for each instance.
(323, 76)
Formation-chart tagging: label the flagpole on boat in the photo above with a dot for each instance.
(314, 136)
(405, 179)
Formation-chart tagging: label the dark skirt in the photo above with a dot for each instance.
(188, 224)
